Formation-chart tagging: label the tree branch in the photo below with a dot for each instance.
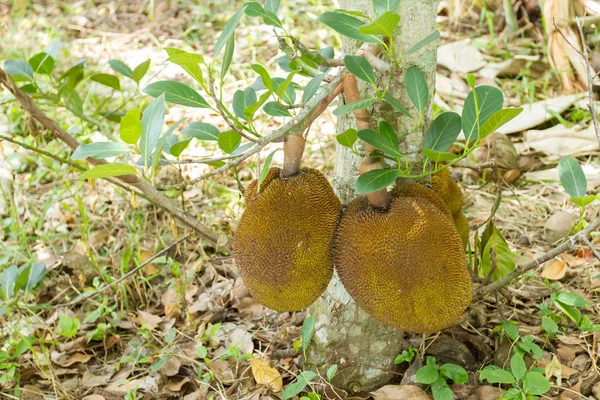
(68, 162)
(568, 244)
(153, 194)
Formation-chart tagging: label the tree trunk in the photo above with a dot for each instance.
(364, 348)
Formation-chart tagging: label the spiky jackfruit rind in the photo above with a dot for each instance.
(405, 267)
(284, 239)
(462, 226)
(414, 189)
(443, 184)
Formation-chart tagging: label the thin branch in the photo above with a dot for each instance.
(134, 180)
(519, 271)
(586, 58)
(591, 246)
(315, 107)
(86, 295)
(334, 62)
(68, 162)
(222, 113)
(476, 167)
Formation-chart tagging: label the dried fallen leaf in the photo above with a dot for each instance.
(562, 141)
(149, 269)
(266, 375)
(555, 271)
(553, 368)
(145, 318)
(91, 380)
(460, 56)
(94, 397)
(171, 366)
(400, 392)
(66, 360)
(177, 384)
(539, 112)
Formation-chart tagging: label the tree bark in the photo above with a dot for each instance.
(363, 347)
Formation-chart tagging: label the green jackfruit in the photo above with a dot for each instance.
(449, 191)
(283, 241)
(405, 267)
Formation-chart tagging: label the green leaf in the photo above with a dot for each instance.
(416, 87)
(572, 299)
(549, 325)
(383, 142)
(360, 67)
(427, 374)
(442, 132)
(497, 119)
(178, 56)
(528, 345)
(228, 31)
(8, 281)
(384, 25)
(158, 364)
(242, 100)
(275, 109)
(120, 67)
(331, 372)
(347, 26)
(254, 9)
(176, 92)
(298, 385)
(471, 81)
(42, 63)
(229, 141)
(140, 71)
(376, 179)
(179, 147)
(272, 6)
(99, 150)
(19, 70)
(430, 38)
(251, 109)
(441, 391)
(396, 104)
(454, 372)
(583, 201)
(187, 61)
(265, 170)
(107, 80)
(512, 394)
(505, 261)
(308, 328)
(201, 131)
(381, 6)
(353, 106)
(489, 101)
(572, 177)
(108, 170)
(153, 120)
(266, 78)
(30, 276)
(438, 156)
(284, 90)
(535, 383)
(517, 366)
(227, 57)
(311, 88)
(494, 374)
(348, 138)
(131, 126)
(510, 329)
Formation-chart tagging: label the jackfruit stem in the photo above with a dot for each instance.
(379, 199)
(293, 148)
(352, 94)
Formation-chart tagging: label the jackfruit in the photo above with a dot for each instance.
(443, 184)
(405, 267)
(284, 239)
(448, 189)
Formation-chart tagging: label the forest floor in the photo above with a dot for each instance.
(186, 326)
